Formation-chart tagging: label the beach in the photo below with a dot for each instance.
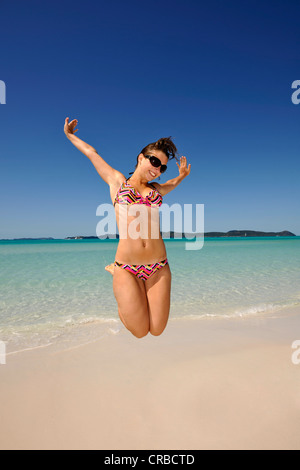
(209, 383)
(223, 375)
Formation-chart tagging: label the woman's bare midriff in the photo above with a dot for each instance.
(140, 240)
(140, 251)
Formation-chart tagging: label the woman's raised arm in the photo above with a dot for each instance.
(107, 173)
(184, 170)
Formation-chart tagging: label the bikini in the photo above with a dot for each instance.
(129, 195)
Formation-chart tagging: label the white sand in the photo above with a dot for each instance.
(203, 384)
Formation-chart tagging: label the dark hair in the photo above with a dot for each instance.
(165, 144)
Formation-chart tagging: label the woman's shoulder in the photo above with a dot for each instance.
(118, 180)
(116, 185)
(156, 186)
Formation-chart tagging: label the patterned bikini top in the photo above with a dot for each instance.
(128, 195)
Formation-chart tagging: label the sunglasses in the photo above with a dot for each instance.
(156, 163)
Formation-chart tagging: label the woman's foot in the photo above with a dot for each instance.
(110, 268)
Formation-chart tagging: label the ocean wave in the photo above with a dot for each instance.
(66, 333)
(240, 312)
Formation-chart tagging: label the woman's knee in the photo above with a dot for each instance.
(138, 329)
(140, 333)
(157, 331)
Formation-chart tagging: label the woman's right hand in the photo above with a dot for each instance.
(69, 127)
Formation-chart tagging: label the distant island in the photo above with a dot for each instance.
(24, 239)
(231, 233)
(249, 233)
(175, 235)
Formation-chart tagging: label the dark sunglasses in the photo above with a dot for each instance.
(156, 163)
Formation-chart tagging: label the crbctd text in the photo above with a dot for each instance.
(177, 459)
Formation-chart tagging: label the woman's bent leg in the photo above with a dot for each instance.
(158, 290)
(132, 301)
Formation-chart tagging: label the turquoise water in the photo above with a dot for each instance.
(54, 288)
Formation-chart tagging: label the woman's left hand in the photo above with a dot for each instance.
(184, 170)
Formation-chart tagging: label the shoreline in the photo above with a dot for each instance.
(203, 384)
(79, 332)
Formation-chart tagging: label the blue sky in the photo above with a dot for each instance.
(216, 76)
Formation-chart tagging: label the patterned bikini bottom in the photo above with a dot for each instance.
(143, 271)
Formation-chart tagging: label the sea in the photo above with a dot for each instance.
(57, 291)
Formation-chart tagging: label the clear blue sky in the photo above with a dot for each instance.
(214, 75)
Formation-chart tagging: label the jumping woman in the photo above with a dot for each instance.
(141, 272)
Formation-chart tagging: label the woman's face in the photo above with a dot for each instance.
(150, 172)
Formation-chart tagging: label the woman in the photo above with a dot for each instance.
(141, 273)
